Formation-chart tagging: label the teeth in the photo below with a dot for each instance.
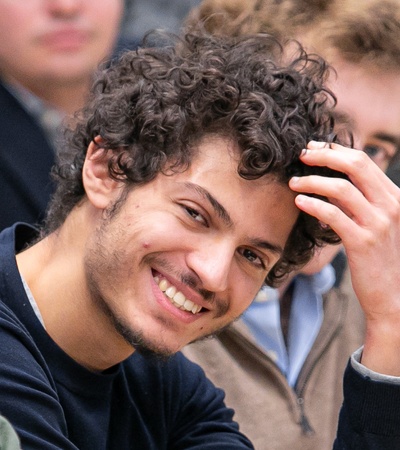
(171, 291)
(163, 284)
(176, 297)
(188, 305)
(196, 309)
(179, 298)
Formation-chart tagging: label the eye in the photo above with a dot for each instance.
(380, 154)
(195, 215)
(372, 150)
(252, 258)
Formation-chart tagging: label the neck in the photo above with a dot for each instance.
(67, 97)
(55, 273)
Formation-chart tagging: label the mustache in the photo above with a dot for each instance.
(193, 281)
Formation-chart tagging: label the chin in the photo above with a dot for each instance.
(143, 345)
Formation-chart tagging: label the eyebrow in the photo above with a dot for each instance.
(226, 218)
(344, 118)
(388, 138)
(394, 140)
(218, 208)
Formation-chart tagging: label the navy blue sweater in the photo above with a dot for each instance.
(54, 403)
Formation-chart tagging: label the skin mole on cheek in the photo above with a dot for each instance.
(146, 244)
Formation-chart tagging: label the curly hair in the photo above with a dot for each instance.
(153, 105)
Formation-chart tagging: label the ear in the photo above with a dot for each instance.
(100, 188)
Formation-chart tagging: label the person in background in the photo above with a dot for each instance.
(185, 183)
(360, 40)
(284, 358)
(49, 51)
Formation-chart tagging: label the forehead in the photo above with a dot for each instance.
(370, 97)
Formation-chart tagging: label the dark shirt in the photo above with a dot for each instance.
(26, 158)
(141, 403)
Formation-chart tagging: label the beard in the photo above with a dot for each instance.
(135, 338)
(100, 266)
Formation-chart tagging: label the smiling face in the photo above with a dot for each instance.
(56, 41)
(186, 253)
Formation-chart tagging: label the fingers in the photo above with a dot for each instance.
(330, 214)
(356, 164)
(370, 203)
(344, 200)
(365, 213)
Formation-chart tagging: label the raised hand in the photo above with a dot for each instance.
(365, 213)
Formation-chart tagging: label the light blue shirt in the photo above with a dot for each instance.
(306, 316)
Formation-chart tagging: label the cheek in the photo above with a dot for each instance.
(107, 17)
(244, 295)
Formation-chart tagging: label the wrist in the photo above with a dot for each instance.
(381, 348)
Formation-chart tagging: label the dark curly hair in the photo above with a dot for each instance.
(153, 105)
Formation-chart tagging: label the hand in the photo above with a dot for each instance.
(365, 213)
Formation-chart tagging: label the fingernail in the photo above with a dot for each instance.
(317, 144)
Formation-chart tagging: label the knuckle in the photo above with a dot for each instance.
(343, 188)
(330, 213)
(359, 159)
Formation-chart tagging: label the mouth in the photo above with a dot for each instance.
(176, 297)
(66, 38)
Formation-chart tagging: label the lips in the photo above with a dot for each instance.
(176, 297)
(65, 39)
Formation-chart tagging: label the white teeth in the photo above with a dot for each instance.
(188, 305)
(196, 309)
(179, 298)
(171, 291)
(176, 297)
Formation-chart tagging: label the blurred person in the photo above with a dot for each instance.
(49, 50)
(360, 40)
(362, 43)
(284, 358)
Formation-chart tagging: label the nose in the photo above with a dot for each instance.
(212, 263)
(65, 8)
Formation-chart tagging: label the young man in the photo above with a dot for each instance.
(172, 209)
(49, 51)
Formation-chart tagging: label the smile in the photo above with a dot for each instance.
(176, 297)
